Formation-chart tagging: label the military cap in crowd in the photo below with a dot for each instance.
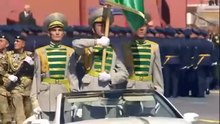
(9, 38)
(151, 31)
(114, 29)
(123, 30)
(187, 32)
(196, 31)
(179, 30)
(86, 29)
(83, 29)
(5, 36)
(128, 29)
(55, 20)
(78, 29)
(21, 37)
(159, 30)
(203, 33)
(169, 31)
(99, 15)
(69, 29)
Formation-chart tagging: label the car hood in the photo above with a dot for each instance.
(135, 120)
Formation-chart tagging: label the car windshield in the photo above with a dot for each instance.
(114, 104)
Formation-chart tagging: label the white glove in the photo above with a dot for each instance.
(29, 60)
(13, 78)
(103, 77)
(37, 110)
(79, 113)
(215, 63)
(185, 67)
(104, 41)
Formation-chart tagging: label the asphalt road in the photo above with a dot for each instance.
(207, 108)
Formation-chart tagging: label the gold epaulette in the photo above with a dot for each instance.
(40, 52)
(69, 50)
(42, 48)
(29, 53)
(153, 44)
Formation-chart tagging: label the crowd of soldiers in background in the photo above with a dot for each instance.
(189, 56)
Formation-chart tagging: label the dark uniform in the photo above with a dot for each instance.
(187, 53)
(171, 62)
(143, 61)
(202, 66)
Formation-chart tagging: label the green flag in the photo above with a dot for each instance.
(133, 11)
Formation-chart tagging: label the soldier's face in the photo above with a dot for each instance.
(99, 29)
(3, 43)
(141, 32)
(19, 44)
(56, 34)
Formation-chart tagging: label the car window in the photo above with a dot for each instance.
(162, 109)
(87, 108)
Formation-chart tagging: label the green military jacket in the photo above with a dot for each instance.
(92, 55)
(142, 59)
(54, 74)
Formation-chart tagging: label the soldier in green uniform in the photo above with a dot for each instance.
(142, 59)
(115, 74)
(54, 69)
(20, 92)
(4, 94)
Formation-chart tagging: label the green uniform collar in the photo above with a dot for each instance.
(140, 41)
(55, 45)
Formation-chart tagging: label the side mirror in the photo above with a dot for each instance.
(40, 121)
(191, 117)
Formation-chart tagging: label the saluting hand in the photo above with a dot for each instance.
(104, 41)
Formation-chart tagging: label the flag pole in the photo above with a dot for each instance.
(107, 13)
